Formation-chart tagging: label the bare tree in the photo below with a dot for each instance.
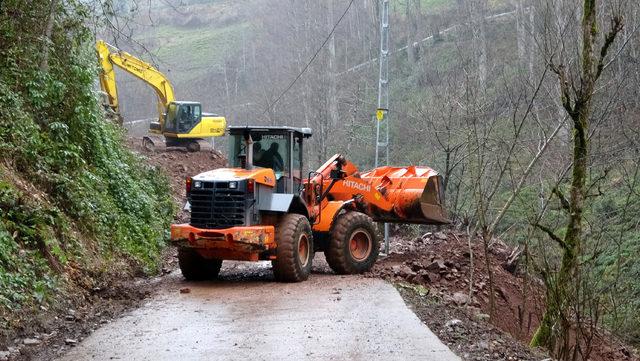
(577, 94)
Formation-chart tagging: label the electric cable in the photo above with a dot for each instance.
(312, 58)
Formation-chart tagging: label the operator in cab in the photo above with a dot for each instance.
(270, 158)
(274, 157)
(258, 155)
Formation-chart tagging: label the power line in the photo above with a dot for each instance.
(312, 58)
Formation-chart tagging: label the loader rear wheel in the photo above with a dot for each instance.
(294, 251)
(353, 245)
(194, 267)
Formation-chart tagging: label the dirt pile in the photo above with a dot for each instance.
(443, 262)
(179, 164)
(448, 285)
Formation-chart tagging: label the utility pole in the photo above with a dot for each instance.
(382, 113)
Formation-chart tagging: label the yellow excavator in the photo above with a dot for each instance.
(182, 123)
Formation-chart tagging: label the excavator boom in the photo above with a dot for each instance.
(110, 55)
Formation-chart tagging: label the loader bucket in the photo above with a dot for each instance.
(416, 193)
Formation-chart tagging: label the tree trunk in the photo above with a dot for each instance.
(48, 33)
(333, 87)
(579, 107)
(411, 9)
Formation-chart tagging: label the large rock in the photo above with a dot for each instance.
(402, 271)
(460, 298)
(437, 265)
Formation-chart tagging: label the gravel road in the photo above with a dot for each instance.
(245, 315)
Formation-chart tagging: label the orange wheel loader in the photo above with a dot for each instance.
(265, 208)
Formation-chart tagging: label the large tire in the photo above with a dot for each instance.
(194, 267)
(294, 251)
(354, 244)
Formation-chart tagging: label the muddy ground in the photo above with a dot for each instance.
(245, 314)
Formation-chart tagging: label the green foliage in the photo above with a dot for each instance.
(24, 232)
(199, 48)
(67, 183)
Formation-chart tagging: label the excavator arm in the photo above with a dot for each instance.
(109, 56)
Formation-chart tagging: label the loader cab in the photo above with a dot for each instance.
(277, 148)
(182, 117)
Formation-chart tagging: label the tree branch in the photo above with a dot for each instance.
(562, 198)
(617, 23)
(524, 176)
(551, 235)
(565, 93)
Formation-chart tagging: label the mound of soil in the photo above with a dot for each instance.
(447, 283)
(179, 164)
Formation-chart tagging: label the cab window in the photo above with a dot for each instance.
(297, 160)
(189, 115)
(270, 150)
(170, 118)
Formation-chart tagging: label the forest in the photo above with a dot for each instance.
(529, 109)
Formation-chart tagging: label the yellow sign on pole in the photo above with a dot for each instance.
(380, 112)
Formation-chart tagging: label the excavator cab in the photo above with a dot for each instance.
(182, 117)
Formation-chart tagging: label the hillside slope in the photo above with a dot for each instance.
(77, 209)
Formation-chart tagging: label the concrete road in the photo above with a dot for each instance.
(251, 317)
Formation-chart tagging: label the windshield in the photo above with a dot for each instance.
(269, 151)
(181, 118)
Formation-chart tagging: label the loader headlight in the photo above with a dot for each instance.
(197, 184)
(233, 185)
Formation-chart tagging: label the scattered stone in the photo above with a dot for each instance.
(460, 298)
(70, 318)
(31, 342)
(483, 345)
(4, 355)
(185, 290)
(70, 341)
(437, 265)
(453, 323)
(482, 317)
(441, 236)
(402, 271)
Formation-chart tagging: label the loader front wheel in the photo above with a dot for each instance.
(194, 267)
(294, 251)
(354, 244)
